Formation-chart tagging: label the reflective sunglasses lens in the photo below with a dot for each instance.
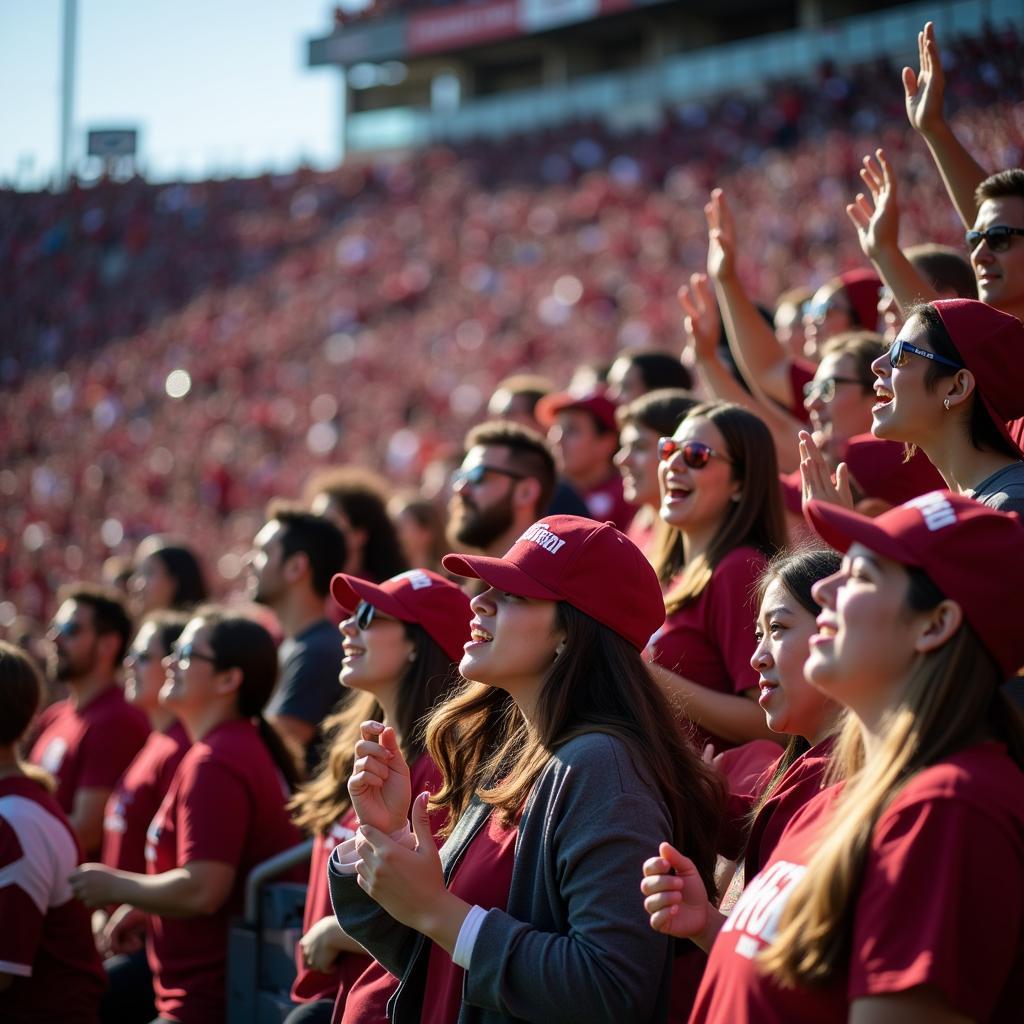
(364, 615)
(897, 357)
(696, 455)
(666, 448)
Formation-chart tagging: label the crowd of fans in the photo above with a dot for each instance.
(564, 374)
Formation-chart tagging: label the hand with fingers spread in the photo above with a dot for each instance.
(700, 318)
(675, 897)
(721, 237)
(877, 220)
(816, 479)
(925, 89)
(380, 785)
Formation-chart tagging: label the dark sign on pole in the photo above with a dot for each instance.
(112, 143)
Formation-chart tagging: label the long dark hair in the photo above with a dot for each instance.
(21, 689)
(483, 745)
(242, 643)
(182, 565)
(324, 799)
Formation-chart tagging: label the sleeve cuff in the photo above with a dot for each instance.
(468, 933)
(344, 857)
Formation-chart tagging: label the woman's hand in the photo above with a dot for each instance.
(700, 318)
(380, 785)
(125, 931)
(816, 479)
(95, 885)
(925, 89)
(321, 944)
(721, 237)
(877, 221)
(675, 895)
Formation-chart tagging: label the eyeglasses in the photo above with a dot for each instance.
(900, 352)
(66, 629)
(475, 475)
(825, 389)
(999, 237)
(184, 656)
(695, 454)
(366, 614)
(819, 311)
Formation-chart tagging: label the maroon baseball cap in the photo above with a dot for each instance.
(973, 554)
(597, 403)
(420, 596)
(591, 565)
(991, 345)
(861, 288)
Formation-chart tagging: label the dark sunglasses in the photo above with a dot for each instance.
(695, 454)
(185, 655)
(901, 351)
(475, 476)
(366, 614)
(66, 629)
(825, 389)
(999, 237)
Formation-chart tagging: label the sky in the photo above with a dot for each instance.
(214, 86)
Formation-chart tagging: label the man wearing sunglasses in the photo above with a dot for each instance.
(505, 483)
(88, 740)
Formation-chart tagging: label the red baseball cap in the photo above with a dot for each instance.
(991, 345)
(591, 565)
(973, 554)
(861, 288)
(597, 403)
(420, 596)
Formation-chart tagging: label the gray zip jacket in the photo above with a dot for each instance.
(575, 944)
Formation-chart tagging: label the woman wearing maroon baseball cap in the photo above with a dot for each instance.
(402, 641)
(897, 895)
(560, 759)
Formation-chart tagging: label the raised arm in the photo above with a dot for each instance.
(925, 91)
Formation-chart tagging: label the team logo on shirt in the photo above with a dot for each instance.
(757, 912)
(338, 834)
(540, 535)
(156, 827)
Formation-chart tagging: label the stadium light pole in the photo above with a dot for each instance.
(67, 87)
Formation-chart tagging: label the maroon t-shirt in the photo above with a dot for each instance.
(138, 796)
(710, 641)
(88, 748)
(46, 939)
(801, 372)
(605, 502)
(927, 912)
(225, 804)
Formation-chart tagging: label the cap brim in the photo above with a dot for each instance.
(840, 527)
(498, 573)
(348, 591)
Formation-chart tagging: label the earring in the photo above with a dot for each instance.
(412, 657)
(735, 497)
(946, 404)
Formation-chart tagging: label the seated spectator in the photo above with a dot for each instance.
(224, 814)
(515, 398)
(87, 740)
(788, 320)
(420, 527)
(167, 575)
(637, 371)
(49, 969)
(294, 557)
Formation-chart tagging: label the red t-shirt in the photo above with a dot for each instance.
(710, 641)
(46, 939)
(88, 748)
(483, 877)
(225, 804)
(138, 796)
(927, 911)
(801, 372)
(366, 998)
(605, 502)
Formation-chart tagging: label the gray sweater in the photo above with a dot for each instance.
(575, 943)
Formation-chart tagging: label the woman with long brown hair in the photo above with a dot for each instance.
(896, 895)
(559, 757)
(402, 640)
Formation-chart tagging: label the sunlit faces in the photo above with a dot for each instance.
(144, 674)
(790, 704)
(1000, 275)
(151, 586)
(848, 410)
(697, 499)
(625, 381)
(513, 642)
(266, 564)
(827, 314)
(482, 505)
(73, 634)
(193, 680)
(637, 459)
(585, 451)
(375, 657)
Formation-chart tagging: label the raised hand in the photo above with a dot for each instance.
(925, 89)
(380, 785)
(721, 237)
(877, 220)
(675, 896)
(701, 321)
(816, 479)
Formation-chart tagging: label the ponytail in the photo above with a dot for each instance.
(280, 753)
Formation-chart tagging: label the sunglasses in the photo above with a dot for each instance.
(66, 629)
(819, 311)
(184, 656)
(475, 476)
(825, 389)
(366, 614)
(999, 237)
(696, 454)
(901, 351)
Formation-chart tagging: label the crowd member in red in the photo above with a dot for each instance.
(402, 642)
(355, 500)
(583, 431)
(130, 810)
(558, 760)
(719, 490)
(918, 630)
(49, 969)
(642, 423)
(87, 740)
(224, 814)
(167, 575)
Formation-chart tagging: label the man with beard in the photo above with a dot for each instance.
(87, 740)
(504, 484)
(293, 559)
